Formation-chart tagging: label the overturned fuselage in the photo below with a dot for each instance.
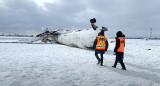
(77, 38)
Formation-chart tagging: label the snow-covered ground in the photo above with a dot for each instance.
(59, 65)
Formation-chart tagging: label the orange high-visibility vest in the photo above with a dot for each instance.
(101, 45)
(122, 42)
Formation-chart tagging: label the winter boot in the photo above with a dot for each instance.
(101, 63)
(113, 66)
(123, 68)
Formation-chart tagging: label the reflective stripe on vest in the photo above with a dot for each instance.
(121, 47)
(101, 45)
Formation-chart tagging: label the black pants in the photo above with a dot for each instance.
(96, 54)
(119, 58)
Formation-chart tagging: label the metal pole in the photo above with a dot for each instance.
(151, 33)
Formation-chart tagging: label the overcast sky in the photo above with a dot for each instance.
(133, 17)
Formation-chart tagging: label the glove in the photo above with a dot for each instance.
(114, 53)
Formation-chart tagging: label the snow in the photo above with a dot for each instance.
(59, 65)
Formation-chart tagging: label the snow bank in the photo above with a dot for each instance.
(8, 39)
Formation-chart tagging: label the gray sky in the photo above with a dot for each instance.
(133, 17)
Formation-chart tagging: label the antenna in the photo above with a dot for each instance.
(151, 33)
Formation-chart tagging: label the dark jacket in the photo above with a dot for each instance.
(95, 42)
(119, 34)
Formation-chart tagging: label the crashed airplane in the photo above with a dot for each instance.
(75, 38)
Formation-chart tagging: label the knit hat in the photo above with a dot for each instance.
(119, 34)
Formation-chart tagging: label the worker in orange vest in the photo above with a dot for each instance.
(100, 45)
(119, 49)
